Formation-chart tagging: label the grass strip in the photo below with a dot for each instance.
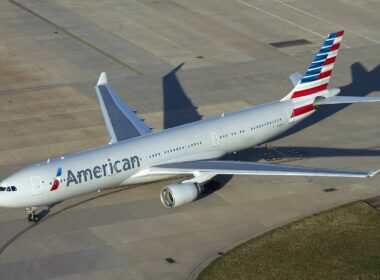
(341, 243)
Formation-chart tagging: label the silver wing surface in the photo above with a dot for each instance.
(122, 123)
(248, 168)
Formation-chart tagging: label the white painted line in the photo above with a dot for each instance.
(284, 20)
(325, 20)
(281, 18)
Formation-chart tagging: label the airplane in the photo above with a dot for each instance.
(135, 154)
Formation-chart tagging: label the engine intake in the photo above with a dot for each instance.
(179, 194)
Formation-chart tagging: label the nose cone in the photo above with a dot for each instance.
(7, 194)
(13, 194)
(4, 198)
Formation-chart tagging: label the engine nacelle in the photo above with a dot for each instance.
(179, 194)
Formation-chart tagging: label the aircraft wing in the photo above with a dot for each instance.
(249, 168)
(122, 123)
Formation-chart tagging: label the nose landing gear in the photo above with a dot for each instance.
(32, 214)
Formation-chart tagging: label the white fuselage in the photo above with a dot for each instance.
(117, 164)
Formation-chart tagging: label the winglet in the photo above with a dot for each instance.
(102, 79)
(121, 122)
(371, 174)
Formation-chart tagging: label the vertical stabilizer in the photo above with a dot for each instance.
(317, 76)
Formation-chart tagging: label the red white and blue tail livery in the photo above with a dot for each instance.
(317, 76)
(311, 88)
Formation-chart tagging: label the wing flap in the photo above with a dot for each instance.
(122, 123)
(250, 168)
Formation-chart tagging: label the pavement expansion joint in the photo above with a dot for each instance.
(77, 38)
(47, 217)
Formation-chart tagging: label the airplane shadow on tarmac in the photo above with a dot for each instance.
(179, 109)
(363, 83)
(44, 212)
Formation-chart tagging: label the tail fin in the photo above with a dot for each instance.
(317, 76)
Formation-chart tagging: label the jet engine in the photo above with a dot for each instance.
(179, 194)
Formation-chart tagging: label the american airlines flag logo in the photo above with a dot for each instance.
(56, 180)
(317, 76)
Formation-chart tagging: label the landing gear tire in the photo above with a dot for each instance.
(32, 214)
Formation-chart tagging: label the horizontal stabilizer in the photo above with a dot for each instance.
(345, 99)
(295, 78)
(249, 168)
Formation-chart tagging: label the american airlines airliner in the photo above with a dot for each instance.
(137, 155)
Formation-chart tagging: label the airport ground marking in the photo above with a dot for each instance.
(77, 38)
(283, 19)
(48, 216)
(326, 21)
(51, 215)
(274, 148)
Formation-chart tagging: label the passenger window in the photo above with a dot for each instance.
(14, 188)
(8, 189)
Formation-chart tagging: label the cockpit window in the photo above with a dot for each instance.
(8, 189)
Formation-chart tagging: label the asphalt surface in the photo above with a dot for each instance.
(51, 53)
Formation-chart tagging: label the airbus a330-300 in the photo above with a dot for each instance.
(137, 155)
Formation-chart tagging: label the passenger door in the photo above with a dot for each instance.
(36, 185)
(289, 111)
(215, 140)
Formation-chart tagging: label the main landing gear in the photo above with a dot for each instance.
(32, 214)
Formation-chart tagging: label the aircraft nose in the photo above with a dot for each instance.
(5, 196)
(3, 202)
